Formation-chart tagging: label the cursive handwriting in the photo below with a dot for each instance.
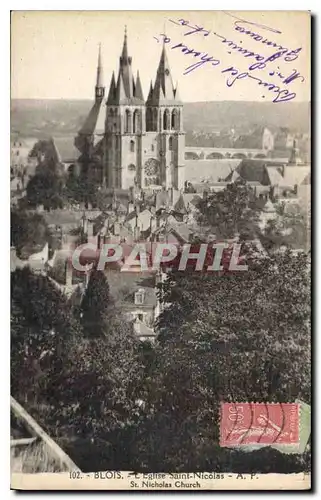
(288, 54)
(282, 95)
(203, 57)
(261, 62)
(259, 38)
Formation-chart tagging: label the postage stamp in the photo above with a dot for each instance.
(259, 423)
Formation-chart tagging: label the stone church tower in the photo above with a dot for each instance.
(130, 142)
(144, 141)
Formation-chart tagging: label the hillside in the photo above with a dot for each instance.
(242, 115)
(39, 118)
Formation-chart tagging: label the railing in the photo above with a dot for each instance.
(38, 434)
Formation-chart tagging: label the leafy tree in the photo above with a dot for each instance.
(28, 231)
(225, 337)
(95, 304)
(46, 188)
(41, 325)
(231, 211)
(290, 228)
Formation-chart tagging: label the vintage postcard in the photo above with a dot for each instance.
(160, 180)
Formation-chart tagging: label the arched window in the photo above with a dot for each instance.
(170, 143)
(166, 120)
(174, 120)
(149, 120)
(155, 116)
(132, 146)
(136, 121)
(152, 147)
(128, 118)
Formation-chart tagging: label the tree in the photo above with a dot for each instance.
(225, 337)
(42, 324)
(95, 304)
(46, 188)
(231, 211)
(28, 231)
(290, 228)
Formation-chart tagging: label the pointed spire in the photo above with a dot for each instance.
(125, 69)
(164, 88)
(99, 81)
(100, 87)
(124, 53)
(120, 90)
(138, 88)
(112, 90)
(150, 93)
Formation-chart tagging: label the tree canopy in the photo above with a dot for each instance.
(232, 211)
(46, 188)
(95, 304)
(28, 231)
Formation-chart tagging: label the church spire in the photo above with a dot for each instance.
(100, 88)
(124, 53)
(127, 89)
(125, 69)
(164, 88)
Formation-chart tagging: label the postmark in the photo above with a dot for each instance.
(243, 424)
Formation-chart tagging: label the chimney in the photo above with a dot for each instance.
(171, 195)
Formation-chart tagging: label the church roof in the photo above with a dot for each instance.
(212, 170)
(65, 149)
(254, 170)
(95, 121)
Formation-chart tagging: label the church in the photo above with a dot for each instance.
(126, 141)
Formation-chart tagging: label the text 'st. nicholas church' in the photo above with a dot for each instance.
(132, 141)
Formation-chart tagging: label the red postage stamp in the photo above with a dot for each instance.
(259, 423)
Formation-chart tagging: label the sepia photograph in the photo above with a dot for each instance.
(160, 250)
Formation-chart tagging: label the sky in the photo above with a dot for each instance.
(54, 53)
